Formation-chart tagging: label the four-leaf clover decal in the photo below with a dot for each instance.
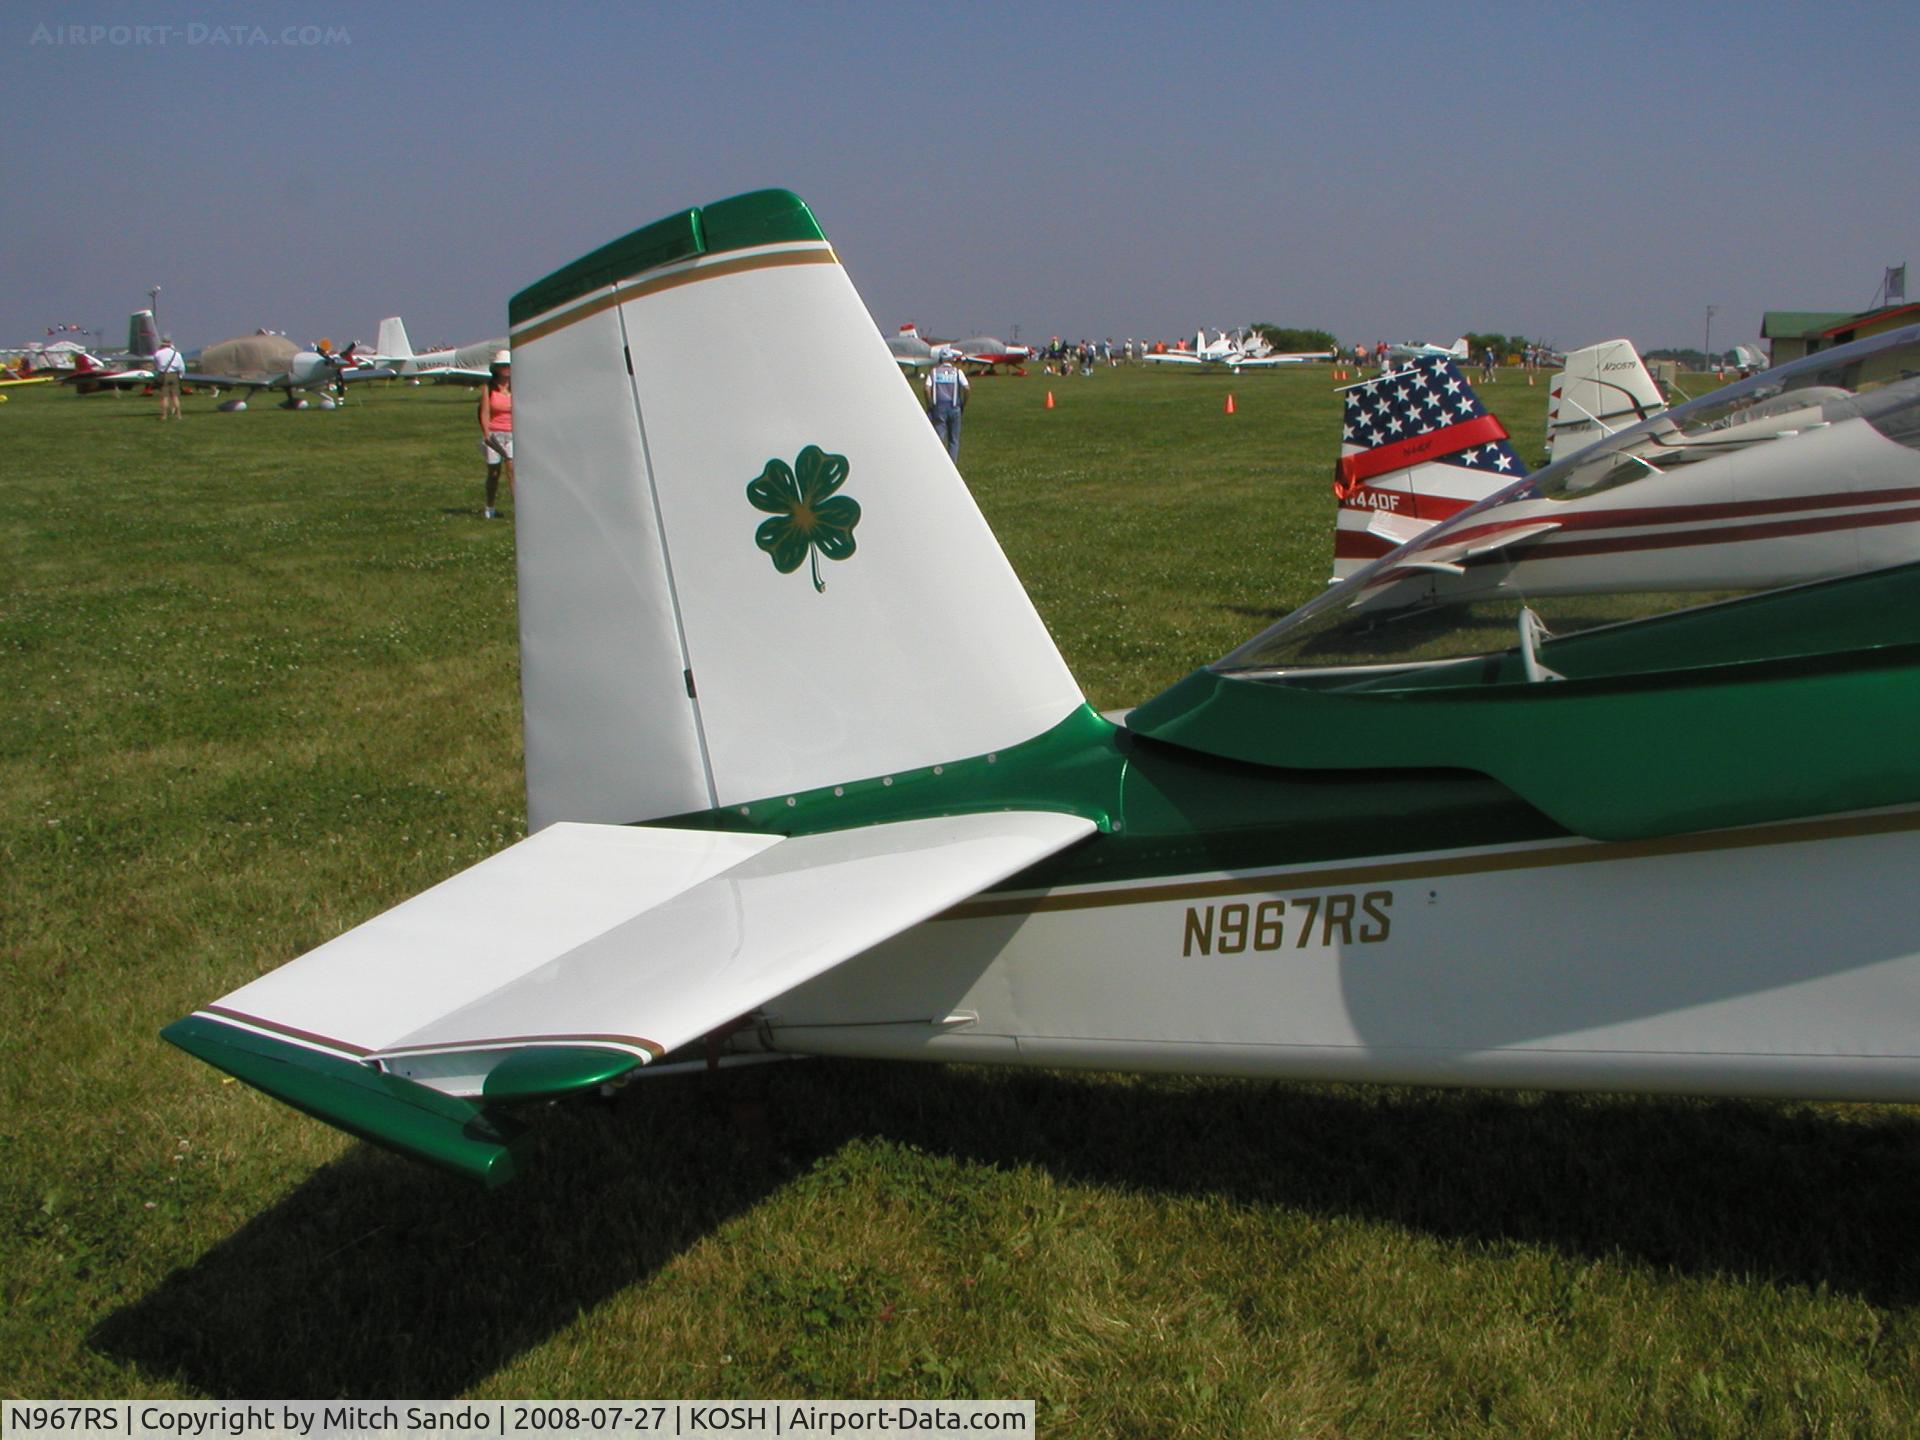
(809, 520)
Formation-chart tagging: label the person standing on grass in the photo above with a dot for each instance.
(168, 366)
(947, 389)
(496, 428)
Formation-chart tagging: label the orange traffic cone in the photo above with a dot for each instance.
(1049, 399)
(1230, 404)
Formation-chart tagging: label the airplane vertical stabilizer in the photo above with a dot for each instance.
(1604, 388)
(143, 336)
(393, 343)
(747, 566)
(1416, 447)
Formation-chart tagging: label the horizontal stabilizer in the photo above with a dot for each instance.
(583, 951)
(723, 947)
(1397, 529)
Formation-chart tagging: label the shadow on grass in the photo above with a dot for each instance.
(377, 1277)
(381, 1277)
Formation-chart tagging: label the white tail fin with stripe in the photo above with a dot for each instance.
(747, 565)
(1416, 447)
(1603, 388)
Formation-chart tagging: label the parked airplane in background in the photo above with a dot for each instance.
(265, 361)
(1421, 350)
(1243, 350)
(794, 794)
(1419, 448)
(123, 370)
(909, 351)
(394, 352)
(1602, 388)
(987, 353)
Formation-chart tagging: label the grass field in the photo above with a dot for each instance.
(261, 684)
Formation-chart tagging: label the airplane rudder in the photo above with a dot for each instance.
(393, 338)
(805, 508)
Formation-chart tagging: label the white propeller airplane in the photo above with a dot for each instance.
(1422, 350)
(393, 351)
(988, 354)
(806, 774)
(909, 350)
(1233, 352)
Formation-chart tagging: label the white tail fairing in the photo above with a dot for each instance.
(747, 566)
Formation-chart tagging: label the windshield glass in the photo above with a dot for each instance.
(1796, 474)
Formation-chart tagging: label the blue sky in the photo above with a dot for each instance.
(1385, 170)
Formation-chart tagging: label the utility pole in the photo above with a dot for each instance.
(1706, 346)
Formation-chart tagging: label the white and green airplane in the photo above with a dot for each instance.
(807, 775)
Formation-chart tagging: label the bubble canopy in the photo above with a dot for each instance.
(1709, 620)
(1799, 474)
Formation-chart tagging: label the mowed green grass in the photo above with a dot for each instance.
(261, 684)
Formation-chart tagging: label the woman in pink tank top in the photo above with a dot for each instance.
(496, 428)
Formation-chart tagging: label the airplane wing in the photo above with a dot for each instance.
(1174, 357)
(231, 382)
(577, 954)
(110, 379)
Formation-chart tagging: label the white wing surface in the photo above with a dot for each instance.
(627, 941)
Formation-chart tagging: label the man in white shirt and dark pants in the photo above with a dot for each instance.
(946, 398)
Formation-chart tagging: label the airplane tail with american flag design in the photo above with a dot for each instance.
(1416, 446)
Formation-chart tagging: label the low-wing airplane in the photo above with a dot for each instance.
(910, 351)
(123, 370)
(1235, 352)
(1601, 389)
(394, 352)
(806, 774)
(264, 361)
(1422, 350)
(987, 354)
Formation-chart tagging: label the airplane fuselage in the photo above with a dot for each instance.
(1520, 964)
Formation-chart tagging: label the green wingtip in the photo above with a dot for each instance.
(415, 1120)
